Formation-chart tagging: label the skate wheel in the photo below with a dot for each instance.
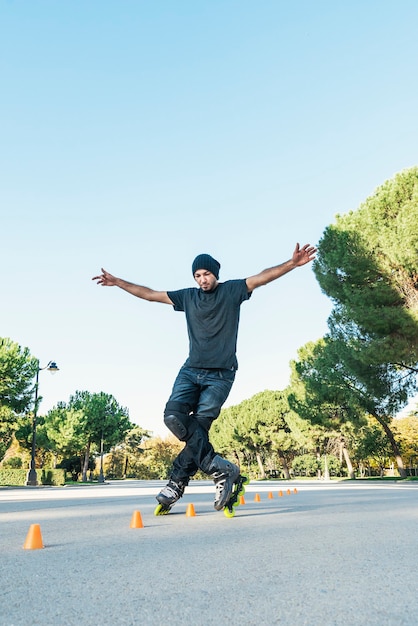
(241, 491)
(161, 510)
(228, 512)
(236, 503)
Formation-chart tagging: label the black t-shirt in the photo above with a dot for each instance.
(212, 322)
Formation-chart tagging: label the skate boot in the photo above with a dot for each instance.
(224, 474)
(168, 496)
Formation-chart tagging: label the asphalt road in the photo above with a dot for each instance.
(330, 554)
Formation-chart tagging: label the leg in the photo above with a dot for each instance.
(187, 428)
(178, 418)
(216, 385)
(204, 392)
(196, 400)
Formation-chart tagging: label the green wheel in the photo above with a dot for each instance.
(241, 491)
(161, 510)
(229, 513)
(236, 503)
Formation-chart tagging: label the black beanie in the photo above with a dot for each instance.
(206, 262)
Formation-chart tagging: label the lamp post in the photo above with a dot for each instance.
(101, 478)
(31, 479)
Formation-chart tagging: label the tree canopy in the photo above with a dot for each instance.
(260, 425)
(368, 265)
(87, 420)
(17, 373)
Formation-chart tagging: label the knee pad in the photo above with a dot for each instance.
(178, 420)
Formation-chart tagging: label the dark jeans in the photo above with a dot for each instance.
(204, 391)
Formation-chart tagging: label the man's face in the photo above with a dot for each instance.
(205, 279)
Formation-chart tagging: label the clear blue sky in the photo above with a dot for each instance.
(135, 135)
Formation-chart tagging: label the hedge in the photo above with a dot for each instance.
(17, 477)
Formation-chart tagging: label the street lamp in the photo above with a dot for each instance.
(31, 478)
(101, 478)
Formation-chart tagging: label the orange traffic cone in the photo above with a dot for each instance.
(280, 494)
(33, 538)
(270, 496)
(190, 512)
(241, 500)
(136, 521)
(257, 498)
(295, 490)
(288, 492)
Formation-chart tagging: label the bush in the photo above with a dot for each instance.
(17, 477)
(13, 477)
(55, 477)
(305, 464)
(14, 462)
(72, 465)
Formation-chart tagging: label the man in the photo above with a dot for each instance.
(205, 380)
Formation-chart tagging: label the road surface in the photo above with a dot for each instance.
(331, 554)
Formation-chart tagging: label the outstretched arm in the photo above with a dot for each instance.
(300, 257)
(108, 280)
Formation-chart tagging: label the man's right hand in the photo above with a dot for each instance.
(108, 280)
(105, 279)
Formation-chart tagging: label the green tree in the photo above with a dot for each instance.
(324, 404)
(62, 431)
(86, 421)
(372, 448)
(368, 265)
(339, 388)
(123, 459)
(73, 466)
(7, 429)
(17, 373)
(105, 421)
(260, 428)
(406, 431)
(158, 456)
(306, 465)
(24, 434)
